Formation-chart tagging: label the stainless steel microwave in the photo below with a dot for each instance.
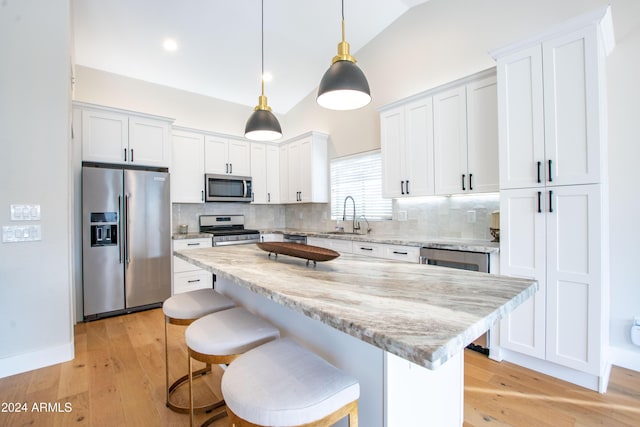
(227, 188)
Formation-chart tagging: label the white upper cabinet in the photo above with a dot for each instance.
(407, 149)
(465, 122)
(122, 137)
(549, 113)
(227, 156)
(265, 174)
(187, 167)
(304, 165)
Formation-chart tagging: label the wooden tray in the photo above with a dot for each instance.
(308, 252)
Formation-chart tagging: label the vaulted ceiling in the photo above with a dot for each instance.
(219, 42)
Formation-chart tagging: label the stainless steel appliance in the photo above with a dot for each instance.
(227, 188)
(126, 239)
(228, 230)
(462, 260)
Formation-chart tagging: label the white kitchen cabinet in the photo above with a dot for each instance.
(466, 138)
(304, 165)
(265, 159)
(225, 155)
(338, 245)
(187, 167)
(271, 237)
(550, 125)
(401, 253)
(407, 149)
(554, 235)
(186, 276)
(553, 198)
(122, 137)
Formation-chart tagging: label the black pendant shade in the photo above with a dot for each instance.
(262, 126)
(343, 87)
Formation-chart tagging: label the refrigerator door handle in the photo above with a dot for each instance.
(126, 229)
(120, 245)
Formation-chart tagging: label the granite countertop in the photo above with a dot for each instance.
(422, 313)
(458, 244)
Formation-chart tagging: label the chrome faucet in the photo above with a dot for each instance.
(356, 226)
(368, 226)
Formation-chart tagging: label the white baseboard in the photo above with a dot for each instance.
(38, 359)
(624, 358)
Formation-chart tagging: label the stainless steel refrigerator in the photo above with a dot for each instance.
(126, 239)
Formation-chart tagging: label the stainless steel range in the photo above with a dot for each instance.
(228, 230)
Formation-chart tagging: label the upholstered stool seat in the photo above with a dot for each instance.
(283, 384)
(223, 336)
(183, 309)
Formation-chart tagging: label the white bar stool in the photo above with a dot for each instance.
(219, 338)
(283, 384)
(183, 309)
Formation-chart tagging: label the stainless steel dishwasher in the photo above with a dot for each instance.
(462, 260)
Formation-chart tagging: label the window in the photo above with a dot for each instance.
(359, 176)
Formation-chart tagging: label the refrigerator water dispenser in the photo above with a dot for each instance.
(104, 229)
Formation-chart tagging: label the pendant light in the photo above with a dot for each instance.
(262, 124)
(343, 86)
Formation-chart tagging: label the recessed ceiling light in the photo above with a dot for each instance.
(170, 45)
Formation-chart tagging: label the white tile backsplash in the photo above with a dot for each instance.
(431, 217)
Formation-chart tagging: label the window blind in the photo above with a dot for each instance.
(359, 176)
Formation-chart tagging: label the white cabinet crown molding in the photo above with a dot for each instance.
(87, 105)
(601, 17)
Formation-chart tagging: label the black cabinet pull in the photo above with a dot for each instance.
(202, 194)
(402, 187)
(193, 244)
(407, 186)
(193, 281)
(550, 174)
(470, 182)
(125, 154)
(230, 167)
(539, 169)
(400, 253)
(269, 197)
(463, 177)
(365, 249)
(550, 201)
(539, 201)
(132, 155)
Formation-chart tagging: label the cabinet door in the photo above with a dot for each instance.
(450, 141)
(239, 157)
(482, 139)
(392, 145)
(149, 142)
(418, 152)
(215, 155)
(293, 160)
(187, 170)
(571, 106)
(522, 254)
(574, 285)
(306, 170)
(259, 172)
(284, 175)
(520, 119)
(273, 174)
(105, 137)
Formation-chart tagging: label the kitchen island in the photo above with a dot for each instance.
(399, 328)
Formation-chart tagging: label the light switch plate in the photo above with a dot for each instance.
(25, 212)
(21, 233)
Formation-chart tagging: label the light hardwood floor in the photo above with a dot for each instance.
(117, 379)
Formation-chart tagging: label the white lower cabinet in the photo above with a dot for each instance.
(338, 245)
(555, 235)
(187, 277)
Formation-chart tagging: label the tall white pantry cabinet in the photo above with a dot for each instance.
(553, 204)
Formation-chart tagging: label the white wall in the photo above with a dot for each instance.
(35, 283)
(437, 42)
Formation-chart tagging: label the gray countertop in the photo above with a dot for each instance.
(483, 246)
(422, 313)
